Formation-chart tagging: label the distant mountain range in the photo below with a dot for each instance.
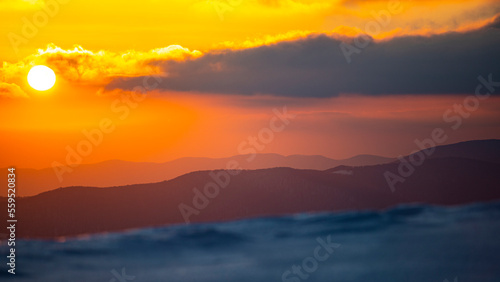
(452, 175)
(119, 173)
(486, 150)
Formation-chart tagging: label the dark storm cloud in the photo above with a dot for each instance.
(316, 67)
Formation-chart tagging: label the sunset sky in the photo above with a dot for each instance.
(213, 72)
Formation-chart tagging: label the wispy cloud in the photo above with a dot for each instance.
(79, 65)
(11, 90)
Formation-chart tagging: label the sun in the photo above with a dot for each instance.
(41, 78)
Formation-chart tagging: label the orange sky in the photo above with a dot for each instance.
(176, 125)
(88, 43)
(199, 24)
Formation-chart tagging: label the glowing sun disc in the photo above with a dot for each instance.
(41, 78)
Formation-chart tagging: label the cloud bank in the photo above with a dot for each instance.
(316, 67)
